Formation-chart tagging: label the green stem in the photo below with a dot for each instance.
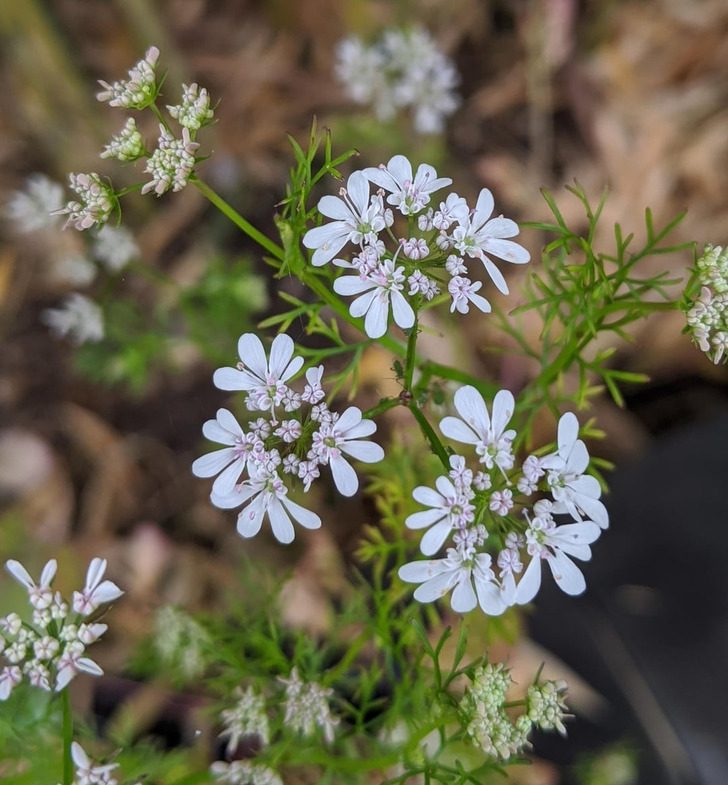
(67, 736)
(409, 365)
(231, 213)
(429, 434)
(384, 405)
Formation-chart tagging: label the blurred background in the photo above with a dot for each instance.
(96, 442)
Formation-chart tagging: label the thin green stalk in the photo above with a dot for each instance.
(67, 736)
(429, 434)
(230, 212)
(410, 359)
(383, 406)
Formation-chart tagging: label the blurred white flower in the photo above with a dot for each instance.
(115, 247)
(307, 707)
(79, 318)
(34, 206)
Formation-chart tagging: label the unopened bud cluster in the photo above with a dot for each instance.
(307, 713)
(170, 165)
(707, 316)
(487, 722)
(49, 650)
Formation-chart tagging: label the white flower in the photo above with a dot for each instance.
(419, 283)
(34, 207)
(230, 462)
(448, 508)
(333, 440)
(574, 492)
(454, 208)
(96, 202)
(194, 110)
(172, 163)
(127, 145)
(115, 247)
(415, 248)
(463, 291)
(246, 718)
(96, 591)
(376, 291)
(86, 772)
(71, 663)
(264, 380)
(439, 576)
(307, 707)
(501, 502)
(478, 236)
(40, 594)
(357, 219)
(139, 90)
(79, 318)
(265, 494)
(491, 439)
(243, 772)
(409, 194)
(10, 677)
(361, 69)
(555, 544)
(313, 392)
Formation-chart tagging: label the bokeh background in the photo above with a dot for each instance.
(95, 448)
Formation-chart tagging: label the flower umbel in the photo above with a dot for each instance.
(307, 707)
(139, 90)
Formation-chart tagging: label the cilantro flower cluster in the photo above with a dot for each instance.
(427, 254)
(170, 164)
(404, 69)
(488, 724)
(707, 317)
(292, 439)
(492, 523)
(307, 713)
(50, 650)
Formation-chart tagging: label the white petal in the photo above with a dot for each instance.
(436, 587)
(213, 463)
(250, 518)
(463, 597)
(88, 666)
(349, 285)
(252, 353)
(358, 188)
(380, 177)
(401, 169)
(530, 581)
(228, 479)
(306, 518)
(49, 572)
(375, 323)
(501, 227)
(281, 351)
(107, 591)
(566, 574)
(332, 207)
(594, 509)
(326, 236)
(64, 677)
(16, 569)
(364, 428)
(427, 496)
(349, 419)
(507, 250)
(490, 598)
(362, 304)
(231, 500)
(420, 520)
(568, 432)
(402, 312)
(368, 452)
(586, 485)
(445, 487)
(231, 379)
(345, 479)
(95, 572)
(483, 208)
(471, 407)
(421, 571)
(479, 302)
(434, 538)
(584, 533)
(503, 407)
(495, 274)
(214, 432)
(578, 458)
(455, 428)
(80, 758)
(280, 522)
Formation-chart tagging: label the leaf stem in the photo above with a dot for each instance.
(428, 432)
(67, 737)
